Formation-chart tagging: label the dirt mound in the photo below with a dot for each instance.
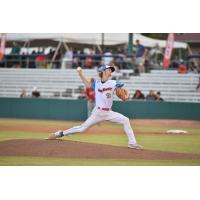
(81, 150)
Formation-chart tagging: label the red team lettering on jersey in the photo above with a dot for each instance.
(104, 89)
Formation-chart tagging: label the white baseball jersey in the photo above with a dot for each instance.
(104, 93)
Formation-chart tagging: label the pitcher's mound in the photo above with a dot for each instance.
(82, 150)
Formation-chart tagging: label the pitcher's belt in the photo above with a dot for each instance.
(106, 109)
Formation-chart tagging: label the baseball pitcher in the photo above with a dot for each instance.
(104, 91)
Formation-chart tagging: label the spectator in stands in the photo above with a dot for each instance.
(49, 57)
(140, 56)
(138, 95)
(35, 93)
(15, 49)
(32, 59)
(151, 96)
(82, 95)
(191, 67)
(40, 61)
(76, 62)
(182, 69)
(198, 71)
(156, 56)
(88, 62)
(23, 59)
(57, 60)
(90, 96)
(97, 59)
(23, 93)
(15, 53)
(158, 96)
(50, 54)
(107, 58)
(119, 61)
(198, 68)
(198, 85)
(68, 58)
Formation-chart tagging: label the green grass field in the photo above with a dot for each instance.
(189, 143)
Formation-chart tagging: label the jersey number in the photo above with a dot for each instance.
(108, 95)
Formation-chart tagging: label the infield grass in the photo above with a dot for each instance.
(43, 161)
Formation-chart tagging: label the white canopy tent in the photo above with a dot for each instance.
(92, 38)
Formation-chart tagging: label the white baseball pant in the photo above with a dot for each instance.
(102, 115)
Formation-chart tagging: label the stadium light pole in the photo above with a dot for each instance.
(130, 49)
(130, 44)
(102, 41)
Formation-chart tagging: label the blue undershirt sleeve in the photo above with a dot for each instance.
(119, 85)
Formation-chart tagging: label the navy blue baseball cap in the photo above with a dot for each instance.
(104, 67)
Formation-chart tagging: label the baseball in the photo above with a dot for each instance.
(79, 69)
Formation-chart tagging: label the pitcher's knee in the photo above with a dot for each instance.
(126, 120)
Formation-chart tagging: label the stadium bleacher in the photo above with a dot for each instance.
(58, 83)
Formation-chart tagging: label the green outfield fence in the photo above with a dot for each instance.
(62, 109)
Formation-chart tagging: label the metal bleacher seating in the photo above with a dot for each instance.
(65, 83)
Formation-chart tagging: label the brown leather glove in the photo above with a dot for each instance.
(122, 94)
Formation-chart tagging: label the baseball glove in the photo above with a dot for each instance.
(122, 94)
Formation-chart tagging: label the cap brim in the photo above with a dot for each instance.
(110, 67)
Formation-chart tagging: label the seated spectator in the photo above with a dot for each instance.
(182, 69)
(191, 67)
(198, 85)
(40, 61)
(198, 68)
(151, 96)
(158, 96)
(82, 96)
(138, 95)
(35, 93)
(23, 93)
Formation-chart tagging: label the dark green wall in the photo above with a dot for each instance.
(43, 108)
(159, 110)
(77, 110)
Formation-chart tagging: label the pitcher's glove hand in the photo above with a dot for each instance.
(122, 94)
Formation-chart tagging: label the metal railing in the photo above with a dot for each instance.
(85, 61)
